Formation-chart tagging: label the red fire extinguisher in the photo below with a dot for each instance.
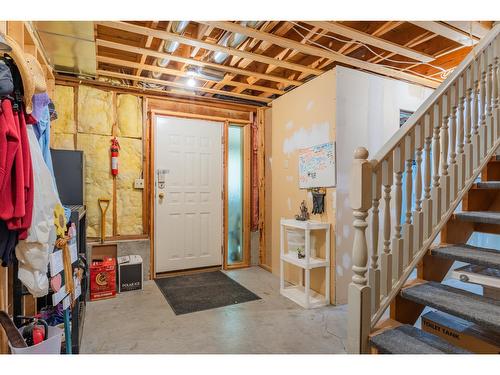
(115, 147)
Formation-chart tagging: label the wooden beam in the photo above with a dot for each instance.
(182, 86)
(205, 45)
(374, 41)
(179, 73)
(332, 55)
(139, 50)
(476, 28)
(447, 31)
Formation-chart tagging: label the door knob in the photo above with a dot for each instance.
(161, 195)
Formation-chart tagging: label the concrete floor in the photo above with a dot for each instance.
(142, 322)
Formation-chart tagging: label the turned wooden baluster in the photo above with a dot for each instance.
(496, 78)
(469, 92)
(397, 241)
(496, 83)
(461, 170)
(453, 167)
(374, 271)
(436, 153)
(445, 177)
(489, 97)
(418, 215)
(483, 130)
(427, 204)
(408, 225)
(386, 256)
(359, 292)
(476, 149)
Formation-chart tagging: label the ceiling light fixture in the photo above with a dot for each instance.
(191, 82)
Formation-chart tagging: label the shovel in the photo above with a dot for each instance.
(103, 205)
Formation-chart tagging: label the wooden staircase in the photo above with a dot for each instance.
(426, 290)
(452, 139)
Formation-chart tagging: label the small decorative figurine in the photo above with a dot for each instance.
(301, 253)
(304, 214)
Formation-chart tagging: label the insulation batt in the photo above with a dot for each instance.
(129, 116)
(95, 111)
(64, 97)
(33, 253)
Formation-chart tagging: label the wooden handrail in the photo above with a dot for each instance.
(450, 138)
(396, 138)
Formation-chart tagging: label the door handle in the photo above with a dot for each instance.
(161, 195)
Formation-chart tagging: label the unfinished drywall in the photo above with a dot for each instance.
(367, 114)
(302, 118)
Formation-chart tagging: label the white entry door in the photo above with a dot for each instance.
(188, 193)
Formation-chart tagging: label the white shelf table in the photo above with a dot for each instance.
(302, 294)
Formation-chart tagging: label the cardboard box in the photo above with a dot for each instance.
(103, 271)
(130, 274)
(462, 333)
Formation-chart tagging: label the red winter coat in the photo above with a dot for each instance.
(16, 195)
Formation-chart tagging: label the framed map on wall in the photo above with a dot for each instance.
(317, 166)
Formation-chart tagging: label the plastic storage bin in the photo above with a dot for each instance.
(50, 346)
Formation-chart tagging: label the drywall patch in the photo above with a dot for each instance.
(302, 138)
(310, 105)
(289, 203)
(289, 178)
(289, 125)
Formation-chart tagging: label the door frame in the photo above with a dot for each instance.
(153, 113)
(247, 188)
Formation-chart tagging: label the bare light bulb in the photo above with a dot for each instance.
(191, 82)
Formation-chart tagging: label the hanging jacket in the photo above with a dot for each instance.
(9, 145)
(33, 252)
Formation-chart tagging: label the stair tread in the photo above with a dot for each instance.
(480, 256)
(487, 217)
(407, 339)
(466, 305)
(488, 185)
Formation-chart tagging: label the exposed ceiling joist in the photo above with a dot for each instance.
(149, 52)
(106, 73)
(208, 46)
(476, 28)
(447, 31)
(316, 51)
(179, 73)
(371, 40)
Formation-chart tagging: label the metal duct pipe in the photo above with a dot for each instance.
(169, 46)
(233, 40)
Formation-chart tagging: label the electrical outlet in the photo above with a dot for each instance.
(139, 183)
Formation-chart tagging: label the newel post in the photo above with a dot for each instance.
(359, 310)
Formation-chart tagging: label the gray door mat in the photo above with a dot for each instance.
(469, 254)
(202, 291)
(406, 339)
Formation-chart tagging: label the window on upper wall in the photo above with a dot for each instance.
(404, 116)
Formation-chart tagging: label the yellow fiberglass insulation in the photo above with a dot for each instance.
(61, 141)
(128, 199)
(95, 111)
(129, 116)
(98, 180)
(63, 99)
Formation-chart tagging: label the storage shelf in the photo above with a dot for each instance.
(297, 294)
(308, 224)
(313, 262)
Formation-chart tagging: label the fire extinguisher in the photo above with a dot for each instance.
(115, 147)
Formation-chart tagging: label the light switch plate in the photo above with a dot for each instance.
(139, 183)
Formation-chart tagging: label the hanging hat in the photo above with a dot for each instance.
(37, 71)
(17, 55)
